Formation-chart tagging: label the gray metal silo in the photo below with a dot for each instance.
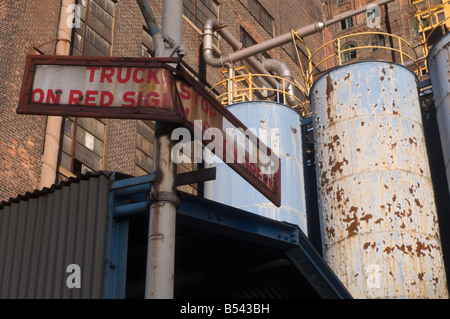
(379, 225)
(279, 127)
(439, 70)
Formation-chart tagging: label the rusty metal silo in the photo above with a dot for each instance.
(439, 70)
(379, 224)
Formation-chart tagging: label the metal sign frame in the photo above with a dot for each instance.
(176, 115)
(273, 195)
(26, 105)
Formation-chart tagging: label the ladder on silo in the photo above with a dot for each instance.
(430, 17)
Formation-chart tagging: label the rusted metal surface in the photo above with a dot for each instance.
(160, 269)
(278, 126)
(380, 231)
(197, 176)
(439, 68)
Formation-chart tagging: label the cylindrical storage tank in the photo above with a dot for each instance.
(439, 70)
(379, 226)
(279, 127)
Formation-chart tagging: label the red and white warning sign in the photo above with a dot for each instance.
(147, 89)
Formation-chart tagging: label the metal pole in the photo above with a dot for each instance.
(171, 26)
(162, 220)
(153, 28)
(160, 274)
(230, 85)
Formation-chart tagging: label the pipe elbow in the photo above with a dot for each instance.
(208, 33)
(281, 68)
(210, 24)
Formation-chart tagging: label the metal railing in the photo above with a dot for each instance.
(404, 49)
(432, 23)
(428, 20)
(251, 87)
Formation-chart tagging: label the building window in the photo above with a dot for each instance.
(94, 37)
(198, 11)
(350, 54)
(261, 15)
(83, 138)
(347, 23)
(377, 41)
(144, 148)
(82, 145)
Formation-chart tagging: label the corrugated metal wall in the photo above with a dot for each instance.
(44, 232)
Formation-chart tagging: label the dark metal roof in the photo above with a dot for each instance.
(221, 251)
(47, 190)
(227, 253)
(44, 232)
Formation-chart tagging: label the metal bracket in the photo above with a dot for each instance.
(198, 176)
(163, 197)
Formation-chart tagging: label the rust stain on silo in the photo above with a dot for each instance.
(374, 180)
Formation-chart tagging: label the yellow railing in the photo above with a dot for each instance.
(305, 70)
(244, 87)
(429, 22)
(249, 87)
(402, 47)
(429, 19)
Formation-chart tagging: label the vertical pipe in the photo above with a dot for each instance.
(172, 24)
(161, 238)
(153, 28)
(230, 85)
(339, 51)
(53, 130)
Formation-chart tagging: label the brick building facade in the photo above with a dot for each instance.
(117, 28)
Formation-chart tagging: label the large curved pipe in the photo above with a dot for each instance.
(279, 67)
(248, 54)
(271, 43)
(213, 24)
(208, 35)
(209, 27)
(283, 71)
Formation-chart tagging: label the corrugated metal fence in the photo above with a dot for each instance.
(40, 236)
